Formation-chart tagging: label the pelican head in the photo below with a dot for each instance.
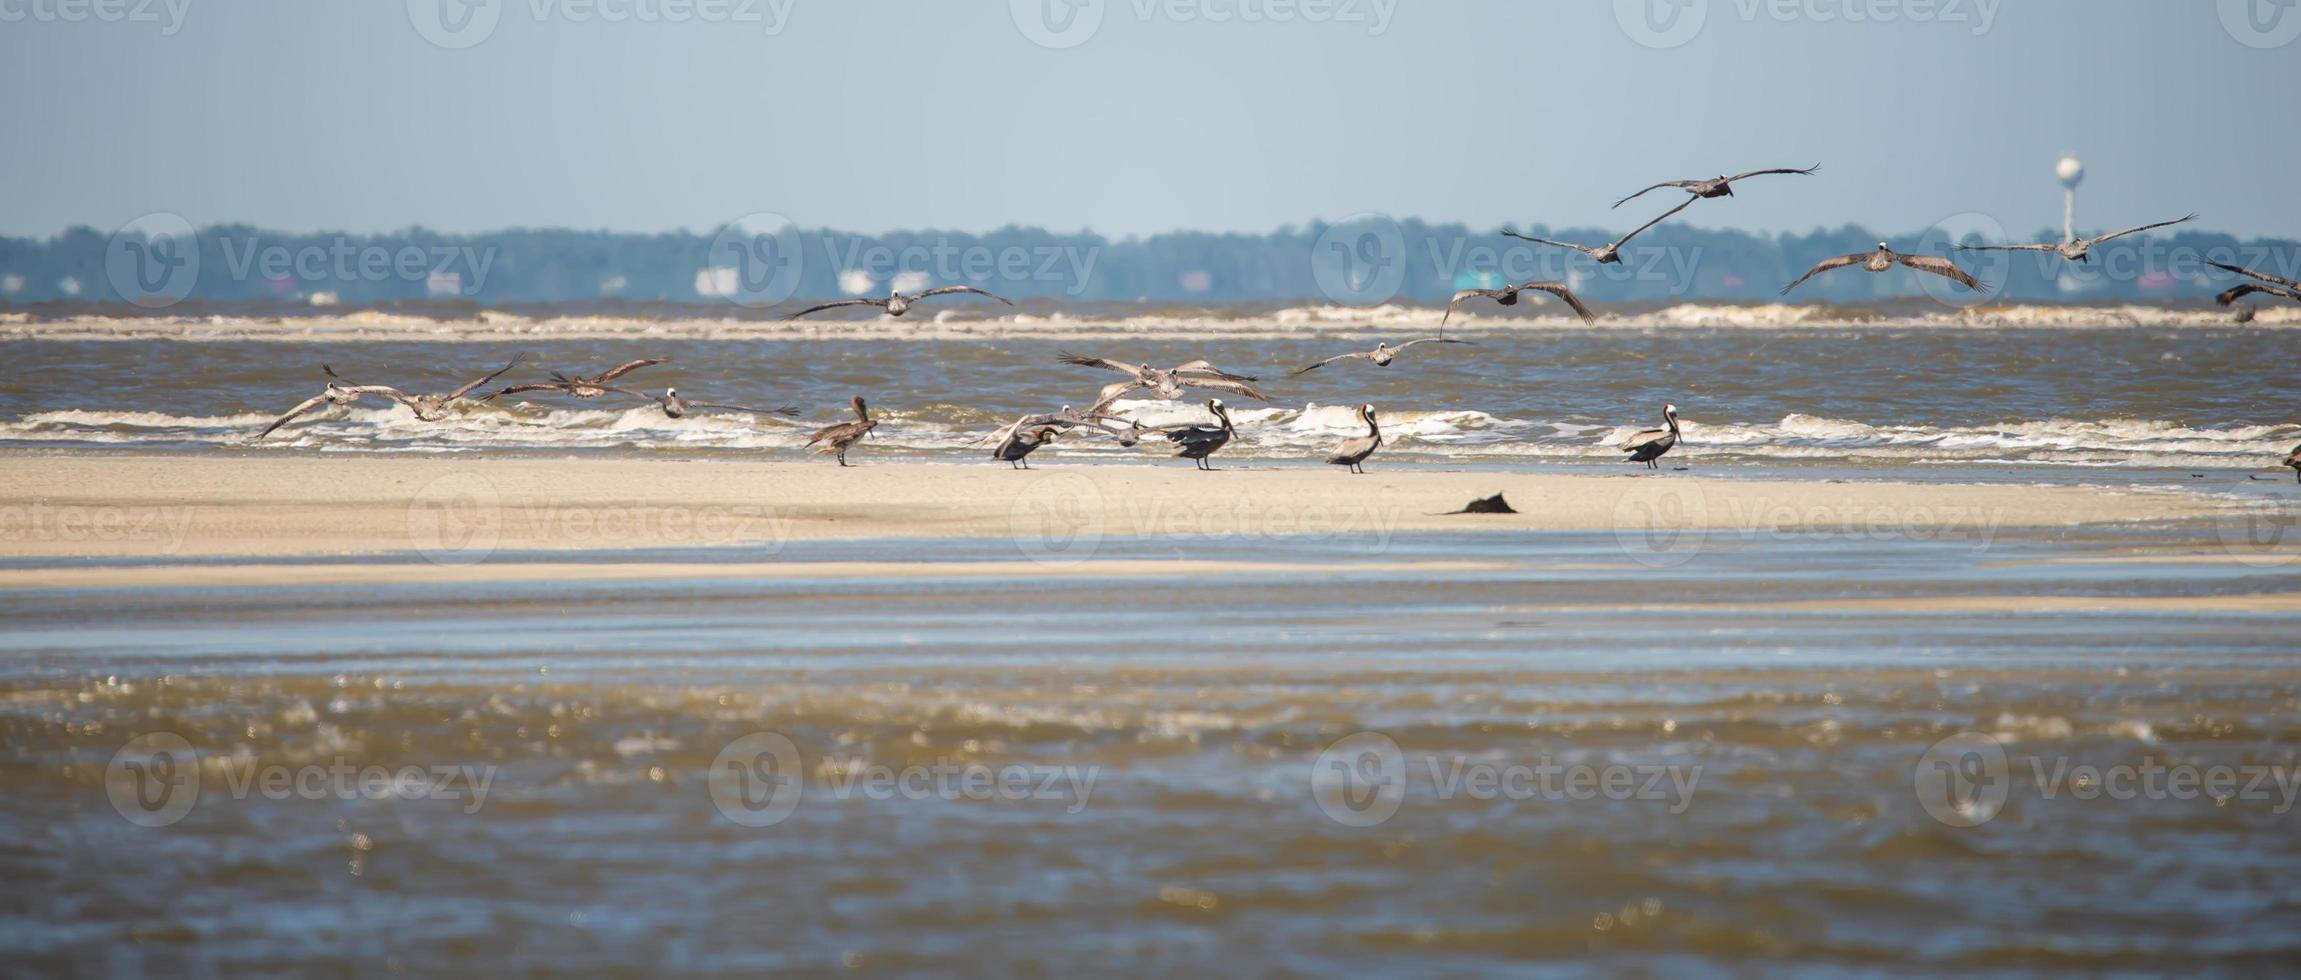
(1367, 411)
(861, 409)
(1214, 404)
(1670, 410)
(670, 392)
(1882, 247)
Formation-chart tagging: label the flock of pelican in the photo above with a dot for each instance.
(1014, 443)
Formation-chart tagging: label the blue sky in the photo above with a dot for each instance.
(1149, 115)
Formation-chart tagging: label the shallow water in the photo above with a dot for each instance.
(1601, 761)
(2103, 397)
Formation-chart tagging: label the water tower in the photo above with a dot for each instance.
(2071, 173)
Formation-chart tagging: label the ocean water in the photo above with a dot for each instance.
(1754, 387)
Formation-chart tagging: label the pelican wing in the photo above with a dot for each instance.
(474, 384)
(307, 405)
(1559, 290)
(784, 410)
(948, 290)
(2192, 216)
(1425, 340)
(1680, 184)
(1826, 265)
(1545, 241)
(1776, 170)
(626, 368)
(1306, 369)
(2044, 247)
(841, 431)
(1111, 393)
(1638, 439)
(1657, 220)
(882, 304)
(1207, 368)
(2244, 289)
(1097, 362)
(1239, 388)
(1941, 267)
(1470, 294)
(529, 386)
(2248, 273)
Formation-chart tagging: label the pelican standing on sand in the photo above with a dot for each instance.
(1611, 252)
(2075, 249)
(897, 304)
(1353, 452)
(578, 386)
(1648, 446)
(678, 407)
(431, 407)
(1020, 443)
(836, 439)
(1381, 355)
(1508, 296)
(1200, 441)
(1885, 258)
(2269, 285)
(1719, 186)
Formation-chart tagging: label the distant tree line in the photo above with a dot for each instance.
(1367, 260)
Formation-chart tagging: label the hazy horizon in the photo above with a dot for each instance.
(1174, 115)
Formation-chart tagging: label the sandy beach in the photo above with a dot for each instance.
(460, 510)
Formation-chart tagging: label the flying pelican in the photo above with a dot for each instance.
(1645, 447)
(1719, 186)
(1381, 355)
(1200, 441)
(897, 304)
(2075, 249)
(1885, 258)
(1508, 296)
(2269, 284)
(579, 386)
(837, 438)
(678, 407)
(1020, 443)
(431, 407)
(1352, 452)
(336, 393)
(1163, 382)
(1067, 419)
(1608, 253)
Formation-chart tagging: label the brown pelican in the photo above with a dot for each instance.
(336, 393)
(1608, 253)
(1645, 447)
(1020, 443)
(2293, 459)
(431, 407)
(1885, 258)
(836, 439)
(579, 386)
(1381, 355)
(2075, 249)
(2269, 285)
(1508, 296)
(1352, 452)
(678, 407)
(1200, 441)
(1163, 382)
(897, 304)
(1067, 419)
(1719, 186)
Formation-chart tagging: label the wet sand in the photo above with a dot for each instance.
(460, 511)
